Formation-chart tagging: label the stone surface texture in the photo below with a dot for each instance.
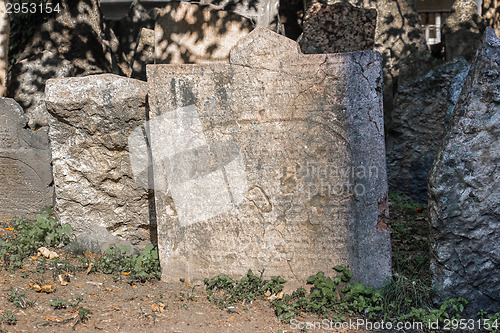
(27, 83)
(423, 107)
(340, 27)
(144, 54)
(462, 30)
(95, 190)
(302, 135)
(464, 190)
(193, 33)
(25, 171)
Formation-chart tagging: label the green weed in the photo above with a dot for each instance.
(9, 318)
(29, 235)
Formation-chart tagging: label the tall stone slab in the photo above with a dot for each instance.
(464, 190)
(92, 118)
(25, 171)
(423, 108)
(273, 162)
(191, 33)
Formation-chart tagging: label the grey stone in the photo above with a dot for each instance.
(464, 190)
(27, 83)
(273, 162)
(340, 27)
(423, 107)
(92, 119)
(25, 171)
(193, 33)
(462, 30)
(144, 54)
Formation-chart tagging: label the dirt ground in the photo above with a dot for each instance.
(118, 306)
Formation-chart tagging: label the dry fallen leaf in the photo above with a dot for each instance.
(274, 296)
(90, 267)
(47, 253)
(158, 307)
(126, 273)
(63, 279)
(9, 229)
(47, 288)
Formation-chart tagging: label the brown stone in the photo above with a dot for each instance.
(273, 162)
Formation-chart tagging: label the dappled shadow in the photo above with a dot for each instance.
(77, 34)
(189, 33)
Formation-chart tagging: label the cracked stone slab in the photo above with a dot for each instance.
(464, 195)
(25, 171)
(91, 119)
(281, 153)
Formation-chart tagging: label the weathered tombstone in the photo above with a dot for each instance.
(27, 83)
(462, 30)
(193, 33)
(95, 190)
(340, 27)
(25, 172)
(282, 154)
(144, 54)
(464, 190)
(423, 107)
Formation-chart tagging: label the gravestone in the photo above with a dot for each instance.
(25, 172)
(95, 193)
(423, 107)
(273, 162)
(340, 27)
(193, 33)
(464, 195)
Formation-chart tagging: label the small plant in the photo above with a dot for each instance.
(137, 267)
(224, 291)
(18, 298)
(29, 235)
(58, 304)
(9, 318)
(331, 297)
